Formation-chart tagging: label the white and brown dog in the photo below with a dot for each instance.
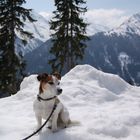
(49, 89)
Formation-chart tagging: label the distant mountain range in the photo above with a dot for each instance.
(41, 33)
(116, 51)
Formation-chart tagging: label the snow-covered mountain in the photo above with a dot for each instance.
(40, 30)
(106, 106)
(130, 26)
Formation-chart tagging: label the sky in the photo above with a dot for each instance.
(130, 6)
(107, 13)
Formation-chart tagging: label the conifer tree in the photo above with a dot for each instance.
(69, 34)
(12, 17)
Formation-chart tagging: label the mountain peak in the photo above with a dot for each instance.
(130, 26)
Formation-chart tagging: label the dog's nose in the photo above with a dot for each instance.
(59, 91)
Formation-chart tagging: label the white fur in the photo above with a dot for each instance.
(43, 109)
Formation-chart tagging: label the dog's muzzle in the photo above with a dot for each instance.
(59, 91)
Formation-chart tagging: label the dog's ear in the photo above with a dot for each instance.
(45, 74)
(42, 76)
(57, 75)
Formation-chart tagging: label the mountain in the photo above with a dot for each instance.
(105, 105)
(40, 30)
(116, 51)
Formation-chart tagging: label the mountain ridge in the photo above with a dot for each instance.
(41, 32)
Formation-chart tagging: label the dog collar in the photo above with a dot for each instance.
(48, 99)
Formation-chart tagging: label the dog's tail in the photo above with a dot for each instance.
(74, 123)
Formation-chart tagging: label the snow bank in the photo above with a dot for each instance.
(107, 107)
(109, 81)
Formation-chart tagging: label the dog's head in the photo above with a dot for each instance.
(50, 83)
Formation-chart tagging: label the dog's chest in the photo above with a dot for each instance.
(43, 108)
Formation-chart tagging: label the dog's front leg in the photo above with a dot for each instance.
(54, 123)
(39, 121)
(55, 117)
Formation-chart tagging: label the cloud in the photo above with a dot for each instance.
(104, 19)
(110, 18)
(99, 19)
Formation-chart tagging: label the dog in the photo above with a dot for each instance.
(49, 89)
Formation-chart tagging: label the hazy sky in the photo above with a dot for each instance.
(130, 6)
(107, 13)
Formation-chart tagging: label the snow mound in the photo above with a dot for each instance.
(105, 80)
(28, 82)
(106, 106)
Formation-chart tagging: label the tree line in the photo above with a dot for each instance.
(68, 37)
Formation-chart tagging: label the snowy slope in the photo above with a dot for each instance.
(40, 30)
(107, 107)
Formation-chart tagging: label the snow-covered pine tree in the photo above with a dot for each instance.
(12, 17)
(69, 34)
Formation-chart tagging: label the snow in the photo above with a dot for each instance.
(124, 60)
(106, 106)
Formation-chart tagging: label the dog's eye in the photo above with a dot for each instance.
(51, 83)
(58, 83)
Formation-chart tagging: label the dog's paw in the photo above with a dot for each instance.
(65, 126)
(54, 130)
